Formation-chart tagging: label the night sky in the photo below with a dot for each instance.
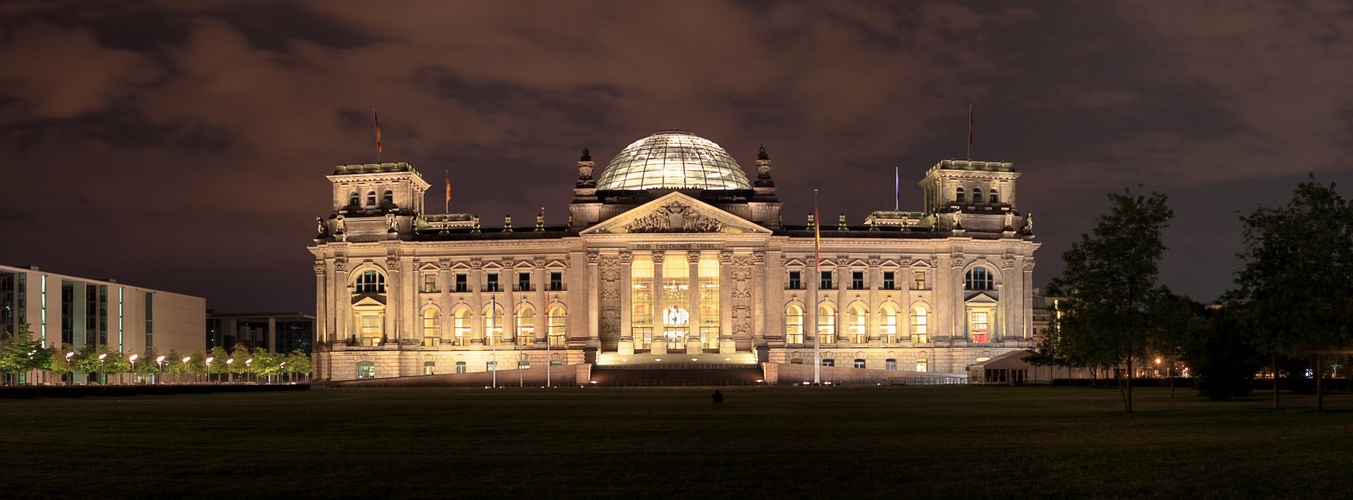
(183, 146)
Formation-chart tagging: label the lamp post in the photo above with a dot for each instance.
(185, 362)
(132, 359)
(248, 365)
(103, 369)
(209, 369)
(493, 324)
(548, 340)
(71, 380)
(159, 365)
(282, 367)
(229, 373)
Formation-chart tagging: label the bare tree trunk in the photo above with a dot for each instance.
(1319, 385)
(1128, 400)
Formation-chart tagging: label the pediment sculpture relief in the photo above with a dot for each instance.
(674, 218)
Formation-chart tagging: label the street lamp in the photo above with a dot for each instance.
(209, 369)
(281, 368)
(132, 359)
(102, 368)
(159, 364)
(68, 367)
(248, 365)
(185, 363)
(228, 372)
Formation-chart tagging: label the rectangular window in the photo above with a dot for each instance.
(796, 280)
(67, 313)
(460, 367)
(859, 363)
(429, 283)
(888, 282)
(523, 282)
(826, 280)
(978, 326)
(918, 280)
(556, 282)
(103, 314)
(150, 319)
(890, 364)
(491, 366)
(429, 368)
(461, 283)
(491, 284)
(920, 365)
(857, 280)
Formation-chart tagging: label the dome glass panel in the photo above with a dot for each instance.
(673, 159)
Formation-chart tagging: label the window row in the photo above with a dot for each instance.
(960, 197)
(889, 364)
(495, 331)
(493, 282)
(367, 369)
(858, 281)
(856, 323)
(355, 199)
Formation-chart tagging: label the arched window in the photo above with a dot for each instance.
(556, 324)
(366, 369)
(920, 334)
(793, 324)
(526, 326)
(978, 278)
(389, 197)
(855, 322)
(888, 323)
(826, 324)
(976, 195)
(994, 197)
(493, 324)
(958, 195)
(370, 198)
(461, 326)
(432, 328)
(370, 281)
(354, 199)
(460, 367)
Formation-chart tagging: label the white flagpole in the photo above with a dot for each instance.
(812, 294)
(493, 323)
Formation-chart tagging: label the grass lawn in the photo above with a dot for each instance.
(784, 442)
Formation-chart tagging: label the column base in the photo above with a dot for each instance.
(694, 347)
(658, 347)
(625, 348)
(728, 346)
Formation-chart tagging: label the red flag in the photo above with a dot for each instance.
(448, 192)
(378, 129)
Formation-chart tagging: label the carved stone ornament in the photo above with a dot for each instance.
(593, 257)
(319, 268)
(674, 218)
(626, 257)
(340, 266)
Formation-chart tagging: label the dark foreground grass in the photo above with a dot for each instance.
(957, 442)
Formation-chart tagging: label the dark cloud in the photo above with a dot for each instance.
(199, 133)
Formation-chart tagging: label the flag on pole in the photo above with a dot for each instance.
(897, 188)
(448, 192)
(378, 129)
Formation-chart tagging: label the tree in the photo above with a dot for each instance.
(173, 363)
(16, 354)
(218, 362)
(1110, 282)
(197, 362)
(60, 365)
(241, 356)
(267, 364)
(1297, 259)
(145, 364)
(298, 362)
(1222, 360)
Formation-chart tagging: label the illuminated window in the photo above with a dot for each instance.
(958, 195)
(708, 299)
(793, 325)
(919, 331)
(676, 297)
(371, 329)
(370, 281)
(888, 324)
(921, 365)
(523, 364)
(556, 325)
(918, 280)
(826, 324)
(429, 283)
(855, 323)
(978, 278)
(461, 326)
(366, 369)
(429, 368)
(491, 366)
(493, 324)
(641, 300)
(526, 326)
(432, 331)
(977, 326)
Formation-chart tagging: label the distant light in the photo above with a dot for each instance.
(693, 359)
(659, 359)
(727, 359)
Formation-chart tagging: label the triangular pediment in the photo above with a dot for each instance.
(983, 297)
(676, 213)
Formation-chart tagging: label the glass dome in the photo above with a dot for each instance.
(673, 159)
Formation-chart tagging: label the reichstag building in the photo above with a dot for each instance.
(671, 249)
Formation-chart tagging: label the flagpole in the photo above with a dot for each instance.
(377, 121)
(897, 188)
(493, 323)
(447, 210)
(969, 132)
(817, 275)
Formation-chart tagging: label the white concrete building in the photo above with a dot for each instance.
(671, 249)
(61, 309)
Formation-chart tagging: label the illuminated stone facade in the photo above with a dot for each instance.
(670, 269)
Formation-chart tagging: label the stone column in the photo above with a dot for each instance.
(593, 300)
(1008, 300)
(760, 270)
(727, 345)
(772, 303)
(341, 298)
(659, 345)
(507, 282)
(1026, 300)
(322, 318)
(873, 326)
(693, 345)
(477, 325)
(626, 344)
(842, 282)
(960, 331)
(541, 284)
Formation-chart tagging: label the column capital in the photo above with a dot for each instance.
(658, 256)
(725, 256)
(626, 256)
(759, 256)
(693, 256)
(593, 257)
